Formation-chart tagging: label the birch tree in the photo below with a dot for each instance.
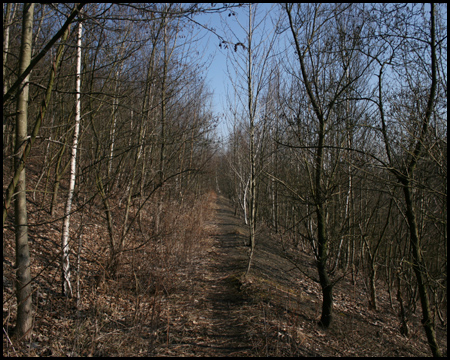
(66, 285)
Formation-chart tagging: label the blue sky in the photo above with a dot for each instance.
(217, 77)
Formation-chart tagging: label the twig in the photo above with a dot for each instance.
(9, 340)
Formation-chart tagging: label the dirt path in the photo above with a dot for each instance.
(275, 312)
(213, 320)
(227, 330)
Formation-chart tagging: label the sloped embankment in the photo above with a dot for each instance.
(274, 311)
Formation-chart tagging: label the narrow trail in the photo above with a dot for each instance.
(275, 311)
(213, 320)
(228, 318)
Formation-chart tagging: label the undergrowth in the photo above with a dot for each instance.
(117, 314)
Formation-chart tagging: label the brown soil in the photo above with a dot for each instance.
(274, 311)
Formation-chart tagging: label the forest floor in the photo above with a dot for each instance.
(205, 307)
(274, 311)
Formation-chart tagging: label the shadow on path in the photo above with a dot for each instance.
(228, 331)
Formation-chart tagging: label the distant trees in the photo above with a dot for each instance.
(405, 121)
(338, 143)
(327, 45)
(137, 127)
(251, 62)
(353, 77)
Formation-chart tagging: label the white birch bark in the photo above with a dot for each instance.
(67, 287)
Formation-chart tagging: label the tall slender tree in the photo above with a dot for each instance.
(66, 285)
(403, 167)
(251, 62)
(23, 273)
(325, 53)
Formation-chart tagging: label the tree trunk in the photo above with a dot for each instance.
(252, 218)
(418, 264)
(419, 270)
(322, 238)
(23, 274)
(6, 25)
(325, 283)
(66, 285)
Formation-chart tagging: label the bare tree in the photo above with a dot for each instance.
(66, 285)
(411, 132)
(42, 53)
(251, 63)
(37, 126)
(23, 274)
(325, 54)
(7, 19)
